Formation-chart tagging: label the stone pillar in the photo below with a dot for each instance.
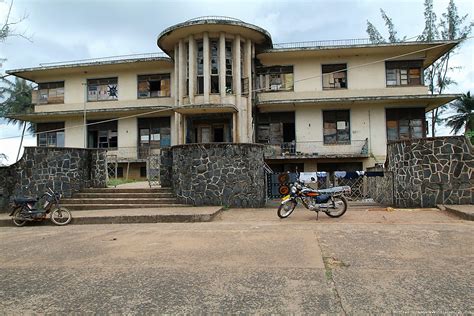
(222, 66)
(192, 68)
(207, 68)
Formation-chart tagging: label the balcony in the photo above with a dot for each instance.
(317, 149)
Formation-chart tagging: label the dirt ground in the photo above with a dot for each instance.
(247, 261)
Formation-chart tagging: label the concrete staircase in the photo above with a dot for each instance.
(121, 198)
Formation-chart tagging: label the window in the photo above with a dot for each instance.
(102, 89)
(275, 78)
(102, 135)
(214, 67)
(276, 128)
(152, 86)
(200, 68)
(405, 123)
(154, 132)
(51, 92)
(336, 127)
(49, 134)
(334, 76)
(228, 67)
(404, 73)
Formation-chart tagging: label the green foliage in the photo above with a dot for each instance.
(114, 182)
(392, 34)
(17, 99)
(374, 34)
(451, 26)
(463, 116)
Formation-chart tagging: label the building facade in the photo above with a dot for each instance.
(321, 106)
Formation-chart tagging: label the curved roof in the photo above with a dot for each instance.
(213, 24)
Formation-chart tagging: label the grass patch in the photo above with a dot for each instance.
(118, 181)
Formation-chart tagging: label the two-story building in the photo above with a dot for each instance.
(327, 105)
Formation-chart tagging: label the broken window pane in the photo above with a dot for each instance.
(404, 73)
(102, 89)
(336, 127)
(51, 92)
(275, 78)
(152, 86)
(334, 76)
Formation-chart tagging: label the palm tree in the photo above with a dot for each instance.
(464, 116)
(17, 99)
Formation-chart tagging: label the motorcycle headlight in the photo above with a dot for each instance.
(293, 189)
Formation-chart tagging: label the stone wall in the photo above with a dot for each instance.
(381, 188)
(218, 174)
(432, 171)
(67, 170)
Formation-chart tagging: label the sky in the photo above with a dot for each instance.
(62, 30)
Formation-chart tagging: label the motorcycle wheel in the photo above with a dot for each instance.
(285, 209)
(61, 216)
(18, 222)
(336, 209)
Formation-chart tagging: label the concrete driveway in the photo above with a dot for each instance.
(247, 261)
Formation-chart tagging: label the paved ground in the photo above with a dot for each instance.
(130, 216)
(246, 261)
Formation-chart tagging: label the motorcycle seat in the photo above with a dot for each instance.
(21, 200)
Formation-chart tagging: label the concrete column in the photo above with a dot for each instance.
(248, 74)
(207, 68)
(181, 72)
(222, 68)
(175, 88)
(184, 126)
(235, 137)
(241, 119)
(192, 68)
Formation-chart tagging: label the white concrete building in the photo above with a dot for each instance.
(327, 105)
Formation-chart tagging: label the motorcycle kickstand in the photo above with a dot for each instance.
(317, 215)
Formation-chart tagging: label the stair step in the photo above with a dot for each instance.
(90, 207)
(130, 201)
(137, 195)
(129, 190)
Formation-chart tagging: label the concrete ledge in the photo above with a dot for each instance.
(135, 216)
(462, 211)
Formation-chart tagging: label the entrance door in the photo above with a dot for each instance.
(218, 134)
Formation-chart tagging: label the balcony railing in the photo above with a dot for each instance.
(326, 43)
(317, 149)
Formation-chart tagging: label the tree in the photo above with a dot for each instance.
(451, 26)
(8, 26)
(463, 116)
(17, 98)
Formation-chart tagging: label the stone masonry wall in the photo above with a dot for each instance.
(67, 170)
(219, 174)
(432, 171)
(381, 188)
